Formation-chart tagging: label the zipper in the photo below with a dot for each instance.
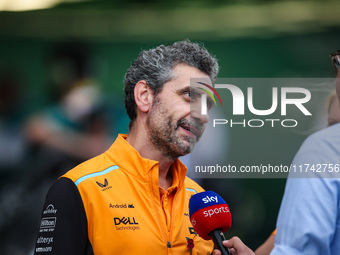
(172, 216)
(163, 231)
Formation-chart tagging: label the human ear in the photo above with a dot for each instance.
(143, 96)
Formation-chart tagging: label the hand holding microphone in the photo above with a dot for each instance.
(210, 216)
(236, 246)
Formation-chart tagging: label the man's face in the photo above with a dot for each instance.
(175, 122)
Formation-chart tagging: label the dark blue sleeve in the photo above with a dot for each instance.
(63, 228)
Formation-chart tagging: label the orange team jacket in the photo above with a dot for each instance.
(126, 210)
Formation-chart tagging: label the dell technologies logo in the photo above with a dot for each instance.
(124, 220)
(126, 224)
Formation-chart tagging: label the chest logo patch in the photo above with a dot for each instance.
(105, 185)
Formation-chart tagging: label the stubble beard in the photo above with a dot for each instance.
(164, 133)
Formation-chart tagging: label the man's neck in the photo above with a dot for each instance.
(138, 139)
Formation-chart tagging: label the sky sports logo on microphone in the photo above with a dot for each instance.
(256, 103)
(209, 199)
(217, 208)
(208, 211)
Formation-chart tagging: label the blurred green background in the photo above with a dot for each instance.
(250, 38)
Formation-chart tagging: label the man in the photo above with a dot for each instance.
(309, 217)
(133, 199)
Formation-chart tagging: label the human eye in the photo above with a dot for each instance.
(188, 95)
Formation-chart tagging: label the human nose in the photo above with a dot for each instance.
(198, 112)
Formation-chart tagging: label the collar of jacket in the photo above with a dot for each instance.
(128, 158)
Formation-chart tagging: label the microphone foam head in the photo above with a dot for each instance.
(208, 211)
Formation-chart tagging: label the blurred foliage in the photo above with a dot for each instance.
(172, 20)
(161, 4)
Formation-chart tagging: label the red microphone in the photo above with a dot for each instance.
(210, 216)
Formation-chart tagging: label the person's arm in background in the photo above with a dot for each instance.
(267, 246)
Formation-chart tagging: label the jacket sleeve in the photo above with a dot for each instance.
(308, 217)
(63, 227)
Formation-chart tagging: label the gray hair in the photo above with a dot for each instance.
(155, 67)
